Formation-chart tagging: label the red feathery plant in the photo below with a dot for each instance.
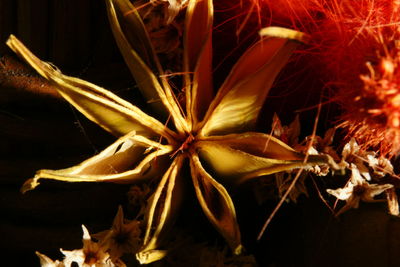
(356, 51)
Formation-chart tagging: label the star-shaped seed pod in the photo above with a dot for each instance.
(212, 134)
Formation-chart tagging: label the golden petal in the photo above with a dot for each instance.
(139, 55)
(138, 52)
(131, 34)
(285, 33)
(240, 98)
(150, 256)
(161, 210)
(249, 155)
(198, 58)
(216, 204)
(123, 161)
(99, 105)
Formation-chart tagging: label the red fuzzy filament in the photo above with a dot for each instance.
(356, 52)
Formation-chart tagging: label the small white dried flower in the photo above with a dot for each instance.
(91, 255)
(356, 190)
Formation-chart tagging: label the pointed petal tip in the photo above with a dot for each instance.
(285, 33)
(238, 250)
(86, 235)
(149, 256)
(29, 185)
(10, 40)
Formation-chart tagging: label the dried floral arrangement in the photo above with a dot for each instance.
(207, 139)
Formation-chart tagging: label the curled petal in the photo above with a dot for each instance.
(198, 58)
(162, 208)
(123, 161)
(99, 105)
(240, 98)
(216, 204)
(136, 49)
(141, 59)
(131, 35)
(250, 155)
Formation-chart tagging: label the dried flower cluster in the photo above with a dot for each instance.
(210, 139)
(365, 168)
(203, 130)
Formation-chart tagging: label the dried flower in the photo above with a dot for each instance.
(352, 155)
(123, 237)
(356, 190)
(367, 162)
(91, 255)
(209, 133)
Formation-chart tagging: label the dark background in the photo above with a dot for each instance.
(39, 130)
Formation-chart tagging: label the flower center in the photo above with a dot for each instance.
(359, 190)
(185, 145)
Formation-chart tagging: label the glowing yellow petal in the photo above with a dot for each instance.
(99, 105)
(240, 98)
(138, 52)
(162, 208)
(216, 204)
(123, 161)
(131, 35)
(150, 256)
(198, 58)
(285, 33)
(250, 155)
